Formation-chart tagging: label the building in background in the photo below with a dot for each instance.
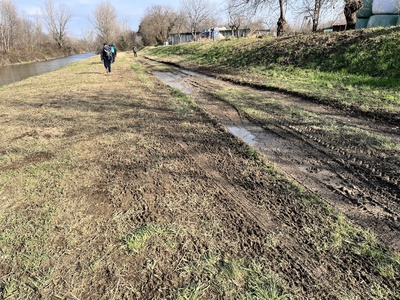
(216, 33)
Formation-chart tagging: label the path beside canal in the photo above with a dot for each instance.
(116, 186)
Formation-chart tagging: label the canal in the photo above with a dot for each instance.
(10, 74)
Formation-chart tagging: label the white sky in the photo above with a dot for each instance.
(127, 10)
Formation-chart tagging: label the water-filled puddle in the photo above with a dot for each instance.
(173, 80)
(243, 134)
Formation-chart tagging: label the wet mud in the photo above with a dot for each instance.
(360, 184)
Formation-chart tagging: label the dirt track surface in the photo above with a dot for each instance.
(364, 185)
(114, 186)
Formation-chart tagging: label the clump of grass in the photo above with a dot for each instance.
(136, 67)
(24, 241)
(192, 292)
(138, 239)
(233, 279)
(364, 243)
(182, 103)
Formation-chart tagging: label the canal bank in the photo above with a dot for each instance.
(14, 73)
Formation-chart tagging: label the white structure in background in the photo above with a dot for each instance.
(378, 13)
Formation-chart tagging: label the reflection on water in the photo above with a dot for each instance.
(243, 134)
(10, 74)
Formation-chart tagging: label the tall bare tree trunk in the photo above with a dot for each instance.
(317, 10)
(282, 24)
(350, 9)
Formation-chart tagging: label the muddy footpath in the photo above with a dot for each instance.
(363, 185)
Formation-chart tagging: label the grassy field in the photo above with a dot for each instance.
(115, 186)
(357, 71)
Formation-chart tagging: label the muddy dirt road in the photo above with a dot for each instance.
(362, 184)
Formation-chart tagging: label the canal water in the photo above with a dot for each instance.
(10, 74)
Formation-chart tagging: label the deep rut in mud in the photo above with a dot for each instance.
(364, 185)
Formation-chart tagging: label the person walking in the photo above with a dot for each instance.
(106, 57)
(134, 51)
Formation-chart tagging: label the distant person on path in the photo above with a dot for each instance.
(113, 52)
(106, 57)
(134, 51)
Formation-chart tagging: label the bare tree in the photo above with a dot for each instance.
(197, 11)
(240, 17)
(89, 39)
(27, 36)
(30, 34)
(236, 16)
(39, 35)
(104, 21)
(134, 39)
(56, 20)
(157, 24)
(281, 24)
(8, 24)
(313, 9)
(317, 9)
(257, 4)
(350, 9)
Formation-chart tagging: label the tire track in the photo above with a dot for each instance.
(353, 185)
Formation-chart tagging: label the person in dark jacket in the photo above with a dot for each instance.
(106, 57)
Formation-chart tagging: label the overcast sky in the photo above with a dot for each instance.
(129, 10)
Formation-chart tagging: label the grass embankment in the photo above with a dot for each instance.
(357, 71)
(106, 194)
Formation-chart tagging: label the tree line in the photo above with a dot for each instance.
(193, 16)
(46, 36)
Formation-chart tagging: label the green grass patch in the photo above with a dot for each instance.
(347, 68)
(182, 103)
(24, 248)
(232, 279)
(364, 243)
(140, 237)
